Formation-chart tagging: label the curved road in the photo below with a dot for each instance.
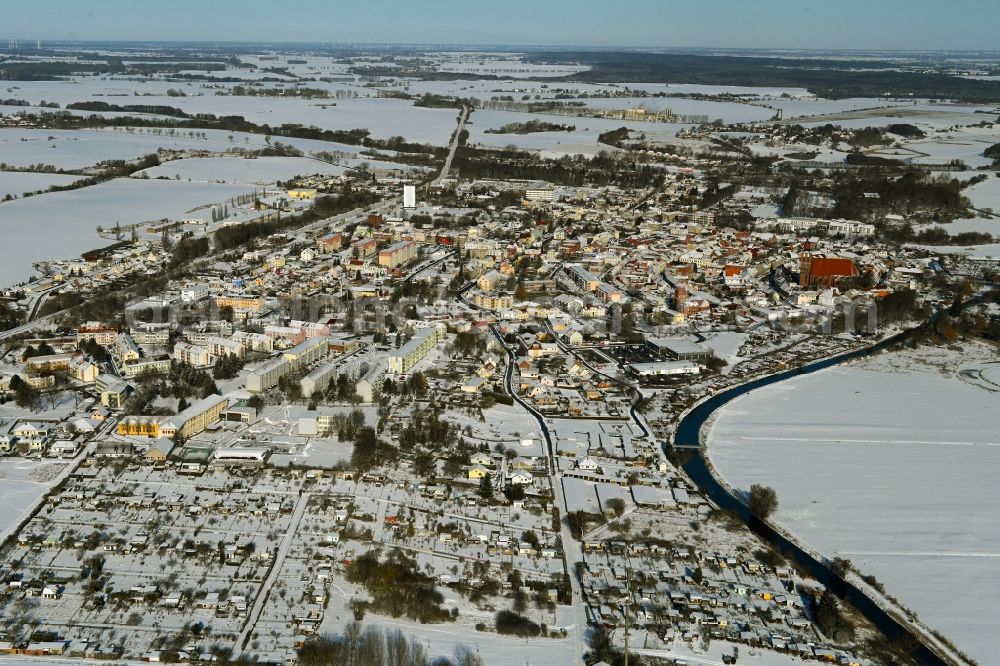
(571, 548)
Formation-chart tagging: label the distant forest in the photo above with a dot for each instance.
(826, 78)
(48, 71)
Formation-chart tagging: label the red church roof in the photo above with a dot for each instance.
(832, 267)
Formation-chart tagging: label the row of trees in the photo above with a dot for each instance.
(345, 199)
(512, 163)
(371, 646)
(398, 588)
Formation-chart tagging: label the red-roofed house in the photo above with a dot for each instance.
(733, 276)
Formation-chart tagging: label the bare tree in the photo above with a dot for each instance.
(763, 501)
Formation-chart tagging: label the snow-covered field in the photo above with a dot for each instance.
(814, 106)
(495, 650)
(61, 225)
(956, 146)
(583, 140)
(985, 194)
(18, 183)
(892, 462)
(256, 171)
(706, 89)
(715, 653)
(22, 483)
(990, 251)
(382, 116)
(989, 225)
(924, 115)
(77, 149)
(512, 68)
(726, 346)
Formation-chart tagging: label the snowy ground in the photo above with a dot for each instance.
(990, 251)
(805, 107)
(924, 115)
(256, 171)
(505, 425)
(511, 68)
(17, 184)
(496, 650)
(61, 225)
(989, 225)
(985, 194)
(892, 462)
(77, 149)
(726, 346)
(384, 117)
(583, 140)
(22, 482)
(717, 649)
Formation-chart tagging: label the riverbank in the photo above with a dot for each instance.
(890, 461)
(892, 621)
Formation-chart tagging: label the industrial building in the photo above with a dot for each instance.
(664, 369)
(678, 349)
(235, 456)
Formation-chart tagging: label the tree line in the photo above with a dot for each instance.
(370, 646)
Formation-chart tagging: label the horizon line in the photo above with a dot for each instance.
(30, 41)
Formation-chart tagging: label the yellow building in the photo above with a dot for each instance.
(198, 416)
(493, 301)
(41, 381)
(50, 363)
(188, 423)
(302, 193)
(401, 253)
(490, 280)
(139, 426)
(240, 302)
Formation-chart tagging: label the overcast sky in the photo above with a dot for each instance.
(819, 24)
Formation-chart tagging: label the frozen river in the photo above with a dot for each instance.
(892, 462)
